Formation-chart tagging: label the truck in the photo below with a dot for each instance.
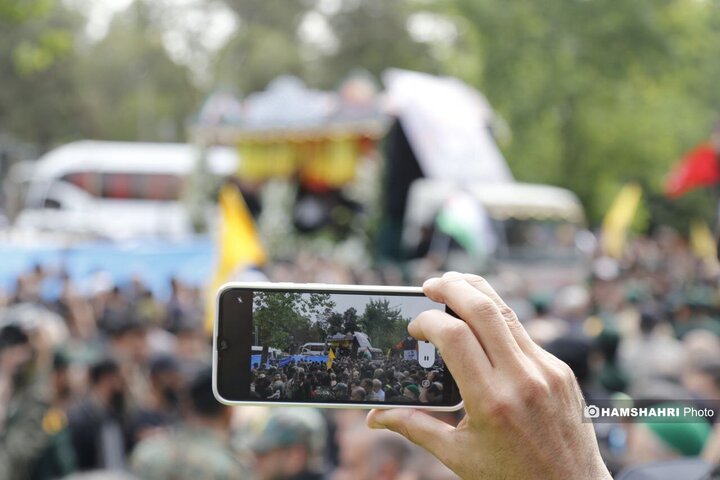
(533, 232)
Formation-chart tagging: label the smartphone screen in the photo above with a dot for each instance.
(328, 346)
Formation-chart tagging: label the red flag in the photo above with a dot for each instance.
(698, 168)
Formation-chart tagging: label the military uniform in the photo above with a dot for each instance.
(187, 453)
(288, 427)
(22, 437)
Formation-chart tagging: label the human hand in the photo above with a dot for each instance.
(524, 408)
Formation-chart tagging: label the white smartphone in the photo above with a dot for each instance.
(329, 346)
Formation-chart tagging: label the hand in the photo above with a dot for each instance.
(523, 406)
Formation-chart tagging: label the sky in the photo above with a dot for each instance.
(411, 306)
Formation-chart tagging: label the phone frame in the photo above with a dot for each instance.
(304, 287)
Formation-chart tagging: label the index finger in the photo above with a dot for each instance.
(481, 313)
(460, 350)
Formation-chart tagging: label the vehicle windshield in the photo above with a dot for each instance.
(534, 239)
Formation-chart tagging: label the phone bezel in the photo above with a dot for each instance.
(317, 287)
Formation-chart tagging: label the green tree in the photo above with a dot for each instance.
(384, 324)
(285, 318)
(595, 93)
(265, 45)
(350, 320)
(334, 322)
(372, 35)
(132, 89)
(38, 98)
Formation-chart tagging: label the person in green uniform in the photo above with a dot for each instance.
(198, 448)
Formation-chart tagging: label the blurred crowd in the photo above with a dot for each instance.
(115, 383)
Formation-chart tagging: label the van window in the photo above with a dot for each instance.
(530, 239)
(127, 186)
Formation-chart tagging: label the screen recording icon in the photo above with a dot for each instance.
(426, 354)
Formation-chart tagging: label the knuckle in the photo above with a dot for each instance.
(481, 305)
(534, 390)
(499, 408)
(566, 373)
(456, 332)
(478, 281)
(448, 279)
(559, 375)
(508, 313)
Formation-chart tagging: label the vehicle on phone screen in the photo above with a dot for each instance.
(313, 348)
(354, 344)
(273, 354)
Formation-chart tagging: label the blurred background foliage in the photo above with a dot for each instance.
(594, 92)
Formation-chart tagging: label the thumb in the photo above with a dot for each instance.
(418, 427)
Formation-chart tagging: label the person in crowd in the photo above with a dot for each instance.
(161, 407)
(371, 455)
(377, 394)
(98, 423)
(198, 448)
(128, 345)
(358, 394)
(58, 457)
(284, 449)
(411, 393)
(420, 465)
(651, 439)
(655, 352)
(23, 405)
(610, 374)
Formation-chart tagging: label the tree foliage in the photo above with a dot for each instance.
(284, 319)
(383, 323)
(132, 89)
(595, 92)
(38, 98)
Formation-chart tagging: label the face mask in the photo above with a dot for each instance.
(171, 397)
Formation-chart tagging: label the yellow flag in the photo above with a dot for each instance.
(331, 359)
(238, 244)
(618, 219)
(703, 243)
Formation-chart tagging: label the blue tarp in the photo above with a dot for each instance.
(255, 360)
(155, 262)
(303, 358)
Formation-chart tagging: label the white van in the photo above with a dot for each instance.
(537, 231)
(116, 190)
(274, 354)
(313, 348)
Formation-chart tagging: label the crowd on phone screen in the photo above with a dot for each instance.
(350, 379)
(115, 379)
